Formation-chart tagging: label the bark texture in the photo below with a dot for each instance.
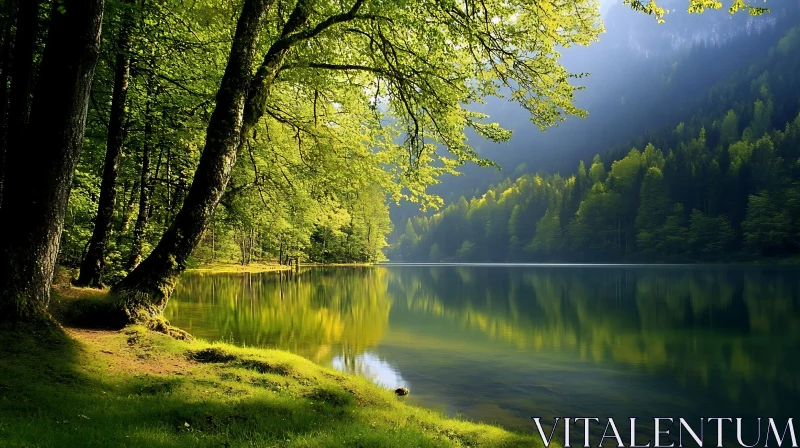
(22, 70)
(144, 292)
(127, 210)
(95, 259)
(144, 189)
(5, 67)
(40, 171)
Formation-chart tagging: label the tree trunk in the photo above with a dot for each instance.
(250, 246)
(127, 211)
(5, 67)
(40, 172)
(155, 176)
(144, 292)
(145, 181)
(170, 205)
(22, 70)
(239, 106)
(95, 259)
(144, 196)
(213, 245)
(239, 235)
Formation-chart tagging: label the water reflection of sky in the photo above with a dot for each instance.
(370, 366)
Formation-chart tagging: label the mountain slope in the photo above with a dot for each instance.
(642, 76)
(725, 184)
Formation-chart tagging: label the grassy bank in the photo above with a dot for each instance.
(78, 387)
(257, 267)
(236, 268)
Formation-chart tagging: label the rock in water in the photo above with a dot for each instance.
(401, 391)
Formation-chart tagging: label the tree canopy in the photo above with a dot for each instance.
(302, 118)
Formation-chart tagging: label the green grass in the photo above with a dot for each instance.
(133, 387)
(219, 267)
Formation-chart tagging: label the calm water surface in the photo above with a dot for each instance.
(504, 343)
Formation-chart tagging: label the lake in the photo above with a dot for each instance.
(503, 343)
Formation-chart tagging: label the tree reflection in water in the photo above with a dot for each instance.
(729, 334)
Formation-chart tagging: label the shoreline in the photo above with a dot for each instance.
(236, 268)
(132, 386)
(259, 267)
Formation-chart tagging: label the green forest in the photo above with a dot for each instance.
(159, 157)
(141, 137)
(290, 194)
(723, 186)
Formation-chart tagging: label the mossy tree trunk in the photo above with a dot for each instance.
(94, 261)
(39, 172)
(144, 292)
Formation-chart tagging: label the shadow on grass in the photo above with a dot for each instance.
(48, 397)
(92, 309)
(55, 391)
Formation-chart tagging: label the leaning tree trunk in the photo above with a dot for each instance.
(40, 172)
(144, 292)
(95, 259)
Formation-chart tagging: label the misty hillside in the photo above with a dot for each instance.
(720, 183)
(643, 76)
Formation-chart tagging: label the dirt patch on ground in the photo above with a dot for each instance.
(134, 358)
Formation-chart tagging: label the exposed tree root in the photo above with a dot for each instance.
(161, 325)
(143, 309)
